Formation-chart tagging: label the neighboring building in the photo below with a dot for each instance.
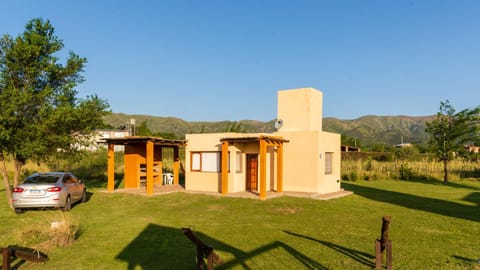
(299, 157)
(403, 145)
(472, 148)
(347, 148)
(104, 134)
(99, 139)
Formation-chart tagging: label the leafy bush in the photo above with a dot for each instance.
(84, 164)
(92, 165)
(384, 157)
(405, 173)
(407, 153)
(368, 164)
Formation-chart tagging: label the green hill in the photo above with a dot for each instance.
(367, 129)
(382, 129)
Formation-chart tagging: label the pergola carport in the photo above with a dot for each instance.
(263, 142)
(142, 160)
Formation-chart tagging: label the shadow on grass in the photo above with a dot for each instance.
(89, 196)
(475, 173)
(101, 181)
(436, 206)
(242, 257)
(467, 260)
(160, 247)
(433, 181)
(359, 256)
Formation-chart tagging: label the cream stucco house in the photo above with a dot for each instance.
(298, 157)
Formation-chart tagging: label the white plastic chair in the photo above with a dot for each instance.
(167, 178)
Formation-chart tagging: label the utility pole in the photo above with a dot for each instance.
(132, 125)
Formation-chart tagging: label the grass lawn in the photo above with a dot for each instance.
(434, 226)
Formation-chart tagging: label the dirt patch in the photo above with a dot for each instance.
(215, 208)
(288, 210)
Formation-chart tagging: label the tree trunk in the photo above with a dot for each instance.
(6, 181)
(16, 172)
(445, 171)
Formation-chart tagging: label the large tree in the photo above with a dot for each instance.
(40, 112)
(450, 131)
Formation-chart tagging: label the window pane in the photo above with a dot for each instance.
(211, 161)
(328, 163)
(41, 179)
(196, 161)
(238, 159)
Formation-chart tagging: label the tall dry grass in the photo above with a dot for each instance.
(48, 232)
(370, 169)
(27, 169)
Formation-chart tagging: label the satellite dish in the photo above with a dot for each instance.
(278, 124)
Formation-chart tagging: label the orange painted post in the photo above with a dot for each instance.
(149, 165)
(176, 165)
(111, 167)
(224, 187)
(157, 161)
(160, 168)
(263, 169)
(280, 168)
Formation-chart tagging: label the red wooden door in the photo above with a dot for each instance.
(252, 171)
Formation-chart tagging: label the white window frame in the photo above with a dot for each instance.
(208, 161)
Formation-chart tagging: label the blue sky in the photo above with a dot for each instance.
(226, 60)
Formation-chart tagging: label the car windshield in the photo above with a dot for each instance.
(41, 179)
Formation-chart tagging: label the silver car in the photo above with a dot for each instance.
(48, 190)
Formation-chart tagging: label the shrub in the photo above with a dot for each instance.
(84, 164)
(384, 157)
(407, 153)
(405, 173)
(368, 164)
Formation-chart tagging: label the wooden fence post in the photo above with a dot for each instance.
(389, 255)
(203, 251)
(27, 254)
(378, 254)
(383, 244)
(6, 254)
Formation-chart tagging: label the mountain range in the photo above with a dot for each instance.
(371, 129)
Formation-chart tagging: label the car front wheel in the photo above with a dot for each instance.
(68, 204)
(18, 210)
